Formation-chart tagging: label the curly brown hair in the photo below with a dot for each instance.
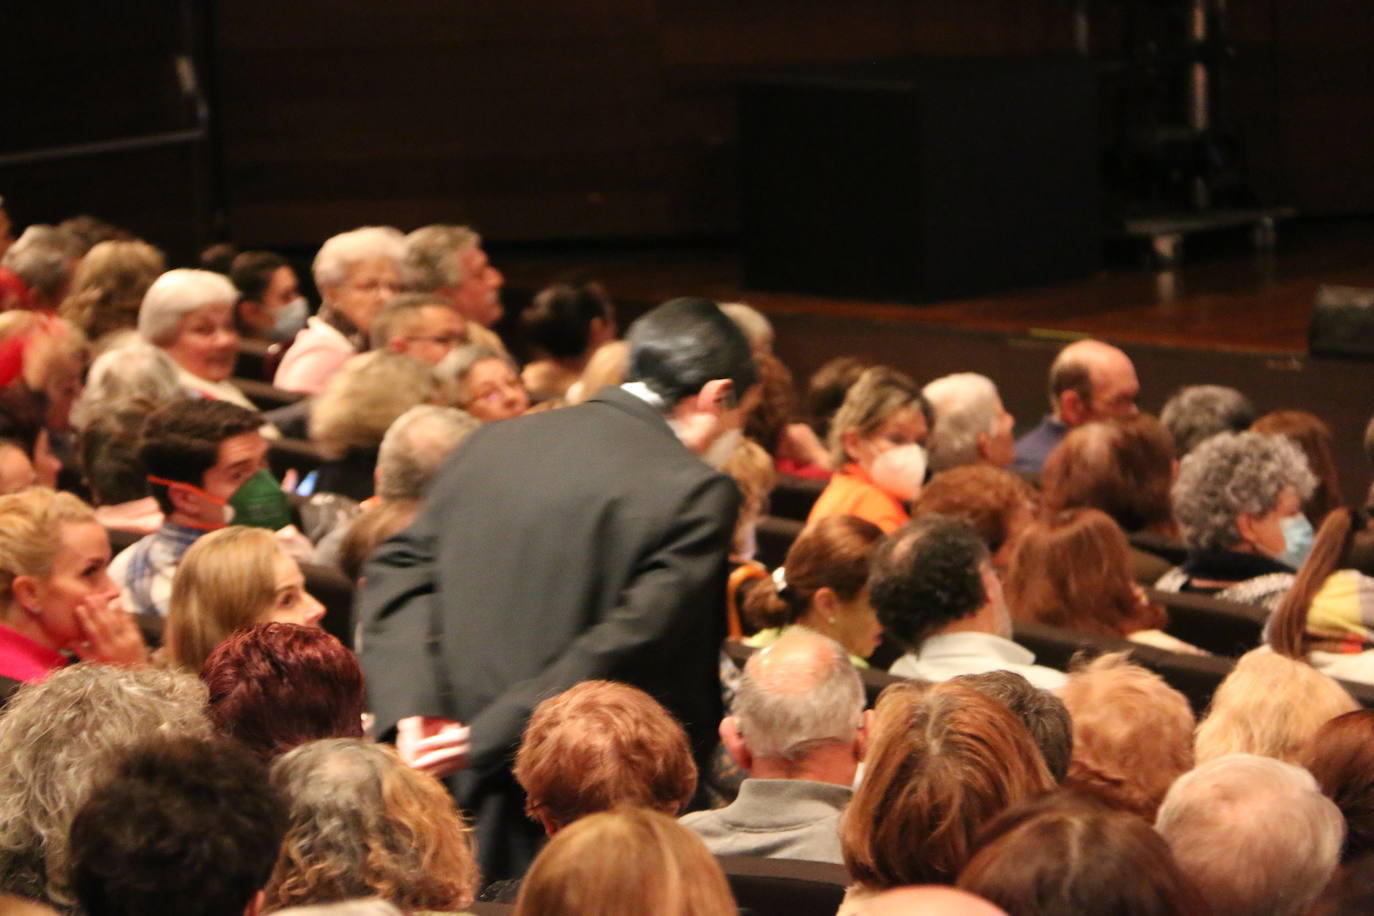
(364, 824)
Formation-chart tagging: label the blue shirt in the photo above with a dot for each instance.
(1035, 446)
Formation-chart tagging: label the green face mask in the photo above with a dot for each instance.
(260, 503)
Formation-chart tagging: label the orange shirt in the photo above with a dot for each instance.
(853, 492)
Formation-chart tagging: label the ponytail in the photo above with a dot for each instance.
(1289, 623)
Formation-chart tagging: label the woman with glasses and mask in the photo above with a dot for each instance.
(356, 273)
(875, 441)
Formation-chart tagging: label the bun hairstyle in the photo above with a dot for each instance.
(833, 553)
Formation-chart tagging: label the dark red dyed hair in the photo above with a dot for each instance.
(276, 686)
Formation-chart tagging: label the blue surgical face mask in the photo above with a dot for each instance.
(1297, 540)
(290, 319)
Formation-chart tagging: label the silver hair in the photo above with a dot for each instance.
(457, 364)
(751, 322)
(58, 740)
(399, 310)
(42, 257)
(176, 294)
(363, 399)
(1198, 412)
(339, 253)
(966, 405)
(791, 723)
(135, 371)
(414, 447)
(434, 257)
(1256, 835)
(1232, 474)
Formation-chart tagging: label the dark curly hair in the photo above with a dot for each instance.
(926, 576)
(183, 819)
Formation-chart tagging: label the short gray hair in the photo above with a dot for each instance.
(59, 739)
(42, 257)
(176, 294)
(361, 401)
(136, 371)
(339, 253)
(434, 256)
(1256, 835)
(755, 326)
(414, 447)
(1232, 474)
(966, 405)
(1198, 412)
(791, 723)
(399, 310)
(454, 368)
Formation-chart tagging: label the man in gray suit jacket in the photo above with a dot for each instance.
(587, 542)
(799, 729)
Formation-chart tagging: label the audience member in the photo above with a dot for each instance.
(822, 586)
(425, 326)
(875, 442)
(1045, 716)
(1341, 758)
(1195, 413)
(1132, 733)
(109, 285)
(566, 323)
(1313, 436)
(1255, 835)
(943, 761)
(42, 359)
(752, 470)
(58, 741)
(1269, 705)
(189, 314)
(43, 259)
(799, 729)
(414, 447)
(601, 744)
(625, 862)
(275, 686)
(449, 261)
(1238, 498)
(753, 324)
(270, 305)
(89, 231)
(826, 390)
(198, 456)
(364, 824)
(230, 579)
(356, 273)
(936, 594)
(181, 819)
(997, 503)
(1089, 380)
(351, 416)
(971, 426)
(56, 591)
(606, 369)
(483, 382)
(1072, 570)
(1070, 854)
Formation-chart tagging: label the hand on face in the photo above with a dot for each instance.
(110, 634)
(433, 745)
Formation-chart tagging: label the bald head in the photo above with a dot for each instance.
(798, 697)
(928, 901)
(1092, 380)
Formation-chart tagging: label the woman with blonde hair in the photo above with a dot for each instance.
(230, 579)
(109, 286)
(875, 441)
(56, 594)
(363, 824)
(1271, 706)
(625, 862)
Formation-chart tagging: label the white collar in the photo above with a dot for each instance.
(645, 394)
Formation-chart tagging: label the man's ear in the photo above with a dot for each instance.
(734, 743)
(184, 499)
(862, 735)
(713, 395)
(983, 442)
(1072, 410)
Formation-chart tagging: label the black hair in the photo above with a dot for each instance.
(683, 344)
(926, 576)
(559, 319)
(188, 824)
(181, 441)
(251, 273)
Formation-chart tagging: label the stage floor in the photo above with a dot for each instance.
(1224, 297)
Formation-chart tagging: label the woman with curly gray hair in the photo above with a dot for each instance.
(1238, 500)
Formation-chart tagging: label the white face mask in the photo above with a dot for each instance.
(290, 319)
(900, 471)
(722, 447)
